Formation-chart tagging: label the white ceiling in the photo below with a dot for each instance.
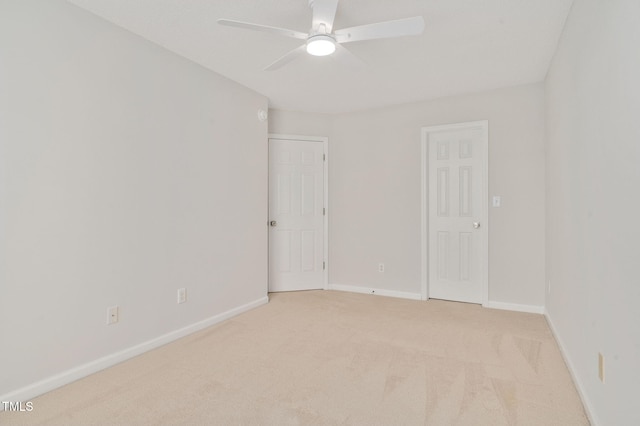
(467, 46)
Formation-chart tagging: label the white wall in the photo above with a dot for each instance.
(300, 123)
(126, 172)
(593, 207)
(374, 175)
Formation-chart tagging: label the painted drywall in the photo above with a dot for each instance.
(300, 123)
(374, 181)
(593, 175)
(126, 172)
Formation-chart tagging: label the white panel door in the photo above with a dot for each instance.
(457, 222)
(296, 221)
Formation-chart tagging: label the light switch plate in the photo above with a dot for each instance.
(497, 200)
(113, 315)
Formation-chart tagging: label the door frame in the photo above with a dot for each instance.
(484, 234)
(325, 151)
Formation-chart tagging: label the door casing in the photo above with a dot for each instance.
(484, 125)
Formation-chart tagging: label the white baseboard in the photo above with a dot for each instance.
(376, 291)
(31, 391)
(583, 395)
(532, 309)
(417, 296)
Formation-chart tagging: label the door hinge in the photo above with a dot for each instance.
(324, 265)
(324, 157)
(324, 211)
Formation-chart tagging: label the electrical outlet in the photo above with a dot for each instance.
(601, 367)
(113, 315)
(381, 267)
(182, 295)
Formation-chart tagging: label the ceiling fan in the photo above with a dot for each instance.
(322, 40)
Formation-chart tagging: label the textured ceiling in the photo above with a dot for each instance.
(467, 46)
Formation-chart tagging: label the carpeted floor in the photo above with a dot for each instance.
(334, 358)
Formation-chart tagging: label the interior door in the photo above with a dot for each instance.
(457, 212)
(296, 215)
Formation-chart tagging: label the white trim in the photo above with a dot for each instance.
(325, 150)
(375, 291)
(424, 257)
(588, 407)
(298, 137)
(532, 309)
(424, 223)
(31, 391)
(326, 216)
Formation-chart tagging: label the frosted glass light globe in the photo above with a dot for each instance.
(321, 45)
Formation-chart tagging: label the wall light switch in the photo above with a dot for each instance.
(497, 200)
(113, 315)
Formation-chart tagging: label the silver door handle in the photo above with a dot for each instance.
(273, 223)
(476, 225)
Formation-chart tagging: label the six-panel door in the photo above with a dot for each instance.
(456, 214)
(296, 231)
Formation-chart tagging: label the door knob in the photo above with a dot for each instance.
(273, 223)
(476, 225)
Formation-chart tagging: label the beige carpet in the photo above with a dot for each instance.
(333, 358)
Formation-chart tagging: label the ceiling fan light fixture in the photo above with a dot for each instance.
(321, 45)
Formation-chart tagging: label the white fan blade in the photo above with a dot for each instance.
(324, 12)
(264, 28)
(293, 54)
(344, 55)
(388, 29)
